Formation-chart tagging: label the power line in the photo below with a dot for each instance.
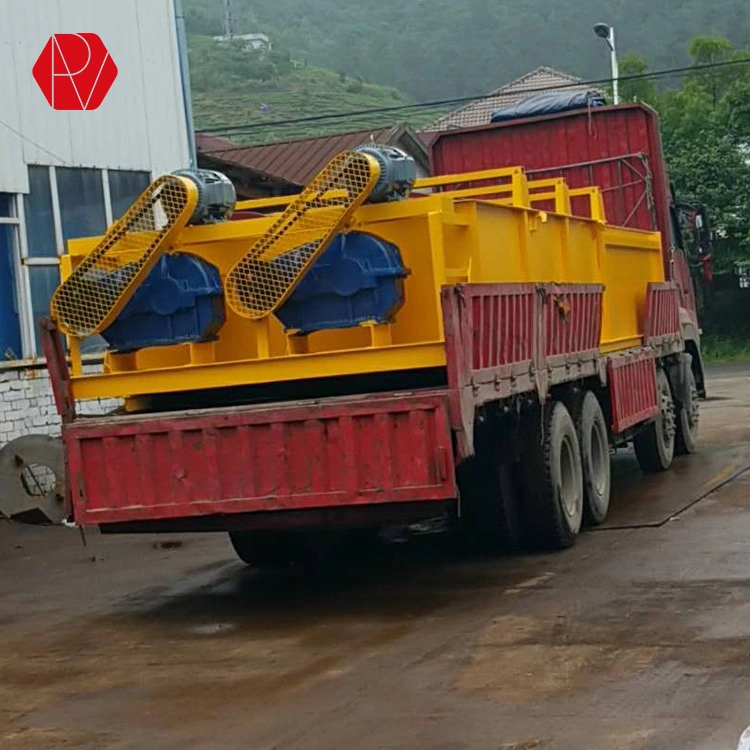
(226, 129)
(33, 143)
(241, 129)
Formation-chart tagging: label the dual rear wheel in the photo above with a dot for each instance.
(538, 499)
(562, 478)
(560, 481)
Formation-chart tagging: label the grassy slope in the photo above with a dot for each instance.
(301, 92)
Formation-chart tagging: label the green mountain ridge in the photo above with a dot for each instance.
(235, 86)
(442, 48)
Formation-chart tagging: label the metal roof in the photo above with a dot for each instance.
(299, 161)
(480, 112)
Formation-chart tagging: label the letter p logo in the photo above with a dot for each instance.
(75, 71)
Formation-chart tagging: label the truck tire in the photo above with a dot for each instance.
(269, 549)
(597, 471)
(688, 416)
(655, 444)
(491, 518)
(553, 477)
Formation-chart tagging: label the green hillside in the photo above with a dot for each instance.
(232, 85)
(441, 48)
(437, 49)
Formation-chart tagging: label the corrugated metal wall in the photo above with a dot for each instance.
(140, 124)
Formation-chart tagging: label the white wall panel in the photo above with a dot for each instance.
(140, 124)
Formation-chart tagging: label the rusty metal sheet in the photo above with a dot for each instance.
(239, 460)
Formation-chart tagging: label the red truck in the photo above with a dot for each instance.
(508, 427)
(619, 149)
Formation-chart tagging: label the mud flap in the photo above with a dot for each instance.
(677, 373)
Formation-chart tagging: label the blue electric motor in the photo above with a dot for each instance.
(179, 302)
(359, 278)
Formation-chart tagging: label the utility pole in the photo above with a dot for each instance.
(228, 20)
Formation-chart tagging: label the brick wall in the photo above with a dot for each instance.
(27, 406)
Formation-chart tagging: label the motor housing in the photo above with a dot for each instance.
(180, 302)
(398, 172)
(358, 279)
(216, 195)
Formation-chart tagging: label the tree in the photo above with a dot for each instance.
(705, 50)
(435, 49)
(639, 89)
(706, 131)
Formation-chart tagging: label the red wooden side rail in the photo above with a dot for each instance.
(506, 339)
(662, 323)
(632, 389)
(57, 367)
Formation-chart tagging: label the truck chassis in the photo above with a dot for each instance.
(490, 446)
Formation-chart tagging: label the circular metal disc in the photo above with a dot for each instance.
(32, 478)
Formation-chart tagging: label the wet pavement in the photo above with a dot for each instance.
(639, 637)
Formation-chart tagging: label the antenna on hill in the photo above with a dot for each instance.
(228, 20)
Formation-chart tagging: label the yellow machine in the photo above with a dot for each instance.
(492, 226)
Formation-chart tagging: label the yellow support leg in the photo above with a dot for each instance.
(76, 363)
(260, 328)
(380, 334)
(202, 354)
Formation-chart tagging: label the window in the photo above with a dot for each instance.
(63, 203)
(6, 204)
(10, 329)
(43, 281)
(82, 211)
(40, 221)
(124, 188)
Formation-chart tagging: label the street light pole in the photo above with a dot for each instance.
(606, 32)
(615, 68)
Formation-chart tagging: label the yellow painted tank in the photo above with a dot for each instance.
(493, 226)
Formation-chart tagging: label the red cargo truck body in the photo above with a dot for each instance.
(362, 459)
(390, 452)
(617, 149)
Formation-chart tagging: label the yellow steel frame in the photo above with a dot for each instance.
(229, 374)
(472, 227)
(519, 192)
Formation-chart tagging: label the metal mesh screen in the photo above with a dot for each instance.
(100, 286)
(267, 274)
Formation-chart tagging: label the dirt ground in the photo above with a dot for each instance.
(639, 637)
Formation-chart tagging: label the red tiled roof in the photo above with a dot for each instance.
(206, 142)
(298, 161)
(480, 112)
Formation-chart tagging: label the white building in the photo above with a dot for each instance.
(67, 174)
(251, 41)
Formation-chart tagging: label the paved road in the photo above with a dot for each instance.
(637, 638)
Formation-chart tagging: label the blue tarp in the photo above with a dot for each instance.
(549, 104)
